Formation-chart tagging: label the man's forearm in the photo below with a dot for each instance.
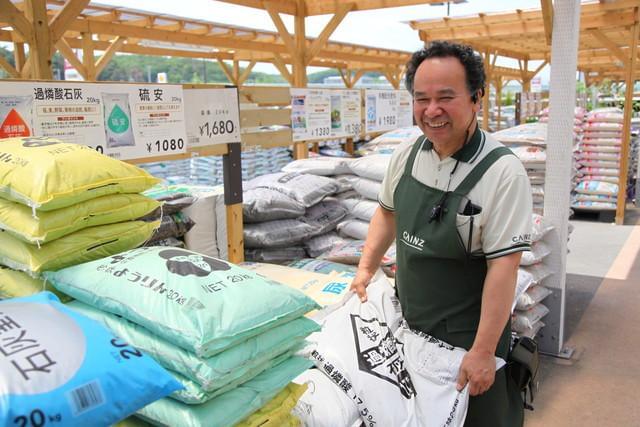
(497, 299)
(382, 232)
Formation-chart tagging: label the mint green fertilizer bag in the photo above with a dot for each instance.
(202, 304)
(231, 407)
(204, 376)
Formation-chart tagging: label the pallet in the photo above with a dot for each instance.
(608, 215)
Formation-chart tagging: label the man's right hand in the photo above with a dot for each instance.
(360, 283)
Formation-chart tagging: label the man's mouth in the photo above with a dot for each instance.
(436, 125)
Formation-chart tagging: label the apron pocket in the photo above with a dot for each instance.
(463, 223)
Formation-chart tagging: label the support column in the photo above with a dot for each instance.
(300, 150)
(499, 100)
(485, 98)
(562, 98)
(40, 49)
(626, 127)
(88, 60)
(19, 56)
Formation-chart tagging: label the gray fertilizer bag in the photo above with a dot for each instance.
(229, 408)
(306, 189)
(281, 232)
(264, 204)
(236, 364)
(117, 120)
(318, 245)
(275, 255)
(324, 216)
(323, 266)
(202, 304)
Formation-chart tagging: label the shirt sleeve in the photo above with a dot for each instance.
(508, 224)
(393, 175)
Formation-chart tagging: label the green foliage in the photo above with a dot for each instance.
(508, 99)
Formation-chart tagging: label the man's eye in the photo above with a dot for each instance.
(446, 98)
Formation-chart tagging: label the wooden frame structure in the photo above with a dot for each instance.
(608, 48)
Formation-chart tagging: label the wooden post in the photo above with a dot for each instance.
(499, 100)
(626, 127)
(235, 238)
(88, 60)
(40, 48)
(485, 98)
(300, 149)
(18, 55)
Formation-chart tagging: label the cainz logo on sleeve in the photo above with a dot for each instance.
(412, 241)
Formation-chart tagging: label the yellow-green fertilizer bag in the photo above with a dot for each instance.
(82, 246)
(234, 365)
(200, 303)
(14, 284)
(46, 173)
(18, 219)
(230, 408)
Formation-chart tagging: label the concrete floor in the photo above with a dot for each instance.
(597, 386)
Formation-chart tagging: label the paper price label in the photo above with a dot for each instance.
(212, 116)
(310, 114)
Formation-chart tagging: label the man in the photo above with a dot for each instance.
(458, 204)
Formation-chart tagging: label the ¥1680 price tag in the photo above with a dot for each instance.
(212, 116)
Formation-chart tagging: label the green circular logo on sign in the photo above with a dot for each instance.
(118, 121)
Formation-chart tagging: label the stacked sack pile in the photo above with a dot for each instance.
(174, 222)
(285, 213)
(527, 309)
(389, 141)
(170, 171)
(599, 160)
(225, 333)
(63, 204)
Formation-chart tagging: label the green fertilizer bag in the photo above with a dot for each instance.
(202, 304)
(230, 408)
(18, 219)
(81, 246)
(236, 364)
(46, 173)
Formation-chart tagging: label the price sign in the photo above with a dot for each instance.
(212, 116)
(345, 113)
(310, 114)
(405, 109)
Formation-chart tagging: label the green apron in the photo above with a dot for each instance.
(440, 285)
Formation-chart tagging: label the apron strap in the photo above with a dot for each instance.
(474, 176)
(417, 146)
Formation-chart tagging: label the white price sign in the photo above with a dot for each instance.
(310, 114)
(405, 108)
(212, 116)
(345, 113)
(381, 110)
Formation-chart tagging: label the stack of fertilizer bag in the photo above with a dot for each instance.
(174, 223)
(527, 309)
(371, 369)
(63, 204)
(224, 332)
(389, 141)
(197, 218)
(333, 148)
(529, 142)
(171, 171)
(634, 156)
(599, 160)
(287, 214)
(61, 368)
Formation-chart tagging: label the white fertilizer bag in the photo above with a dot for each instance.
(372, 167)
(321, 165)
(526, 319)
(306, 189)
(532, 296)
(538, 251)
(353, 228)
(202, 237)
(367, 188)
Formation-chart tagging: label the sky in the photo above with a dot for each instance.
(383, 28)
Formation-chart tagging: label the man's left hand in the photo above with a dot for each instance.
(478, 368)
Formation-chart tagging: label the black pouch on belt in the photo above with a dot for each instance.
(522, 366)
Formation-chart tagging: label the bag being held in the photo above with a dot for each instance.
(522, 366)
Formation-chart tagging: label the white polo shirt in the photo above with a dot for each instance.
(504, 224)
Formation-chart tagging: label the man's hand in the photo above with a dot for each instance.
(478, 368)
(360, 283)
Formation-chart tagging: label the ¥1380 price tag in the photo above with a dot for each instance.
(212, 116)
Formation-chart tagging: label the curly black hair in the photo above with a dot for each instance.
(472, 63)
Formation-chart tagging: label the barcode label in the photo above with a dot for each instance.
(85, 398)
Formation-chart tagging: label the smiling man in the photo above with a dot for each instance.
(466, 200)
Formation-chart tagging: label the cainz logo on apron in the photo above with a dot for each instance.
(378, 353)
(412, 241)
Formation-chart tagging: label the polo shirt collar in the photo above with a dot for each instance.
(468, 152)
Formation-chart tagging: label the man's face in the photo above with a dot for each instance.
(442, 103)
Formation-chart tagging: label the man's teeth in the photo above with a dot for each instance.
(436, 125)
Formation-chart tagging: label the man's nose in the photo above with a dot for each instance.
(432, 110)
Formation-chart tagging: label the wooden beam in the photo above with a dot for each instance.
(235, 237)
(485, 98)
(14, 17)
(282, 30)
(40, 47)
(610, 45)
(18, 55)
(324, 7)
(88, 60)
(331, 26)
(278, 62)
(66, 16)
(236, 71)
(108, 54)
(626, 126)
(299, 65)
(539, 68)
(547, 18)
(346, 77)
(357, 76)
(227, 72)
(245, 74)
(281, 6)
(67, 52)
(9, 68)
